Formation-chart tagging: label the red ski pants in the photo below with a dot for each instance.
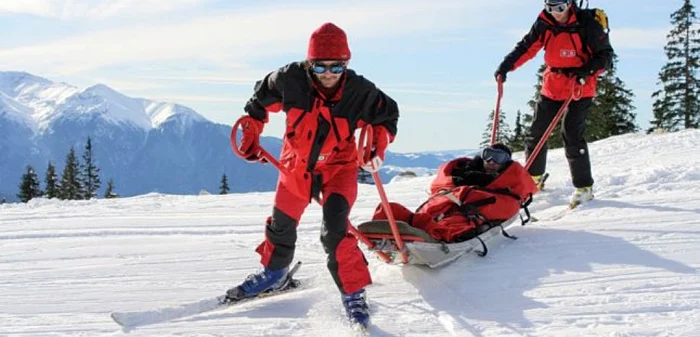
(346, 262)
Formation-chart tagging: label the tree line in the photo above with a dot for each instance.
(79, 180)
(676, 104)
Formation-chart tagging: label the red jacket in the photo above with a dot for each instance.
(443, 219)
(581, 42)
(319, 138)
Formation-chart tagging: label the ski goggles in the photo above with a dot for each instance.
(497, 156)
(335, 68)
(557, 7)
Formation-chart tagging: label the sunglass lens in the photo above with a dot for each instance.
(336, 68)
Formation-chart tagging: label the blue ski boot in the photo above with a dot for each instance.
(356, 307)
(265, 280)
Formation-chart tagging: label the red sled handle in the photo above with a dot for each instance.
(364, 153)
(264, 155)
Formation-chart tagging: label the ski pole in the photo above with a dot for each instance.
(576, 92)
(497, 112)
(364, 153)
(264, 155)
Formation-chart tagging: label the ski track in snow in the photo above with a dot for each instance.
(625, 264)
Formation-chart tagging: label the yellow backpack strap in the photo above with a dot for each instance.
(602, 19)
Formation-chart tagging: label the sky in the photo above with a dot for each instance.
(436, 59)
(625, 264)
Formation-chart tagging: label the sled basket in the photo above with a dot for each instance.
(422, 248)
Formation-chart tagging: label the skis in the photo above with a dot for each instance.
(135, 319)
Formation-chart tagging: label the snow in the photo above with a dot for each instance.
(625, 264)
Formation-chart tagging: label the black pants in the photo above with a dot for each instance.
(573, 134)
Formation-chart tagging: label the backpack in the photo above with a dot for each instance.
(597, 14)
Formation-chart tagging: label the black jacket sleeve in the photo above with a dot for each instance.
(535, 34)
(382, 110)
(267, 93)
(599, 43)
(471, 174)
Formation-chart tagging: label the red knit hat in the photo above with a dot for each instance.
(328, 42)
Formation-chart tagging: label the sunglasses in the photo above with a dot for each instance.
(556, 8)
(497, 156)
(335, 68)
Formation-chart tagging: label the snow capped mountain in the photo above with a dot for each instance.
(39, 96)
(143, 145)
(47, 103)
(160, 113)
(102, 102)
(13, 110)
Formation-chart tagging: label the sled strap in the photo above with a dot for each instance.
(481, 253)
(504, 233)
(528, 201)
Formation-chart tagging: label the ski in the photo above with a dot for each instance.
(133, 319)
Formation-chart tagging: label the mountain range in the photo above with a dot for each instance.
(143, 145)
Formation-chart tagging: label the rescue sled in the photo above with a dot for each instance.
(422, 249)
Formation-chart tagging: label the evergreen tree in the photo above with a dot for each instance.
(517, 141)
(29, 187)
(503, 133)
(109, 191)
(676, 104)
(89, 173)
(612, 111)
(70, 183)
(552, 142)
(51, 181)
(223, 187)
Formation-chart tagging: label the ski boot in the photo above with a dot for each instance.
(539, 181)
(580, 195)
(356, 308)
(263, 281)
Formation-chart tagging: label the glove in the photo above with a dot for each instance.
(579, 73)
(501, 71)
(250, 141)
(381, 140)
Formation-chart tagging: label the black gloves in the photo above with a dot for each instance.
(580, 73)
(501, 71)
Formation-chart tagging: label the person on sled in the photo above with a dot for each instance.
(481, 170)
(325, 102)
(469, 196)
(577, 50)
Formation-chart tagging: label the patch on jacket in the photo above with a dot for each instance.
(568, 53)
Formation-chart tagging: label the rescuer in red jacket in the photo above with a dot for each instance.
(325, 102)
(577, 50)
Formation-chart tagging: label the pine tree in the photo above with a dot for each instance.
(517, 141)
(29, 187)
(70, 183)
(223, 187)
(612, 113)
(109, 191)
(676, 104)
(51, 181)
(503, 133)
(89, 173)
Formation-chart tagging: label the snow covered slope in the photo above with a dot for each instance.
(624, 265)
